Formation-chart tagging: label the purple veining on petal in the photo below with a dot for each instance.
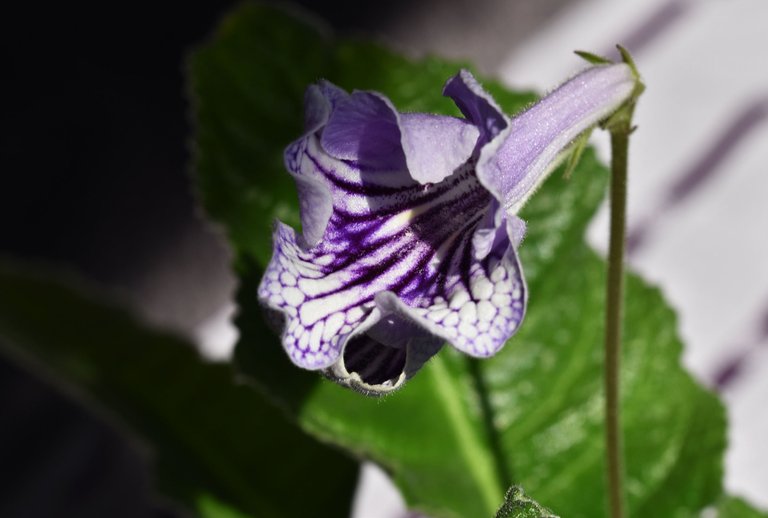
(408, 237)
(315, 205)
(481, 109)
(388, 233)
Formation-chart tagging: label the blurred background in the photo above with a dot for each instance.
(94, 156)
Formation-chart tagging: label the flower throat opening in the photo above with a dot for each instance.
(373, 361)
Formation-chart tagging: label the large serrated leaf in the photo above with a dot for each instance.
(459, 432)
(218, 447)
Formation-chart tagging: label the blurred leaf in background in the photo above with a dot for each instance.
(731, 507)
(217, 446)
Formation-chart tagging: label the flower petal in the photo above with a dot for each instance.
(435, 146)
(389, 233)
(539, 136)
(318, 102)
(315, 206)
(315, 327)
(476, 313)
(476, 104)
(383, 357)
(363, 128)
(366, 129)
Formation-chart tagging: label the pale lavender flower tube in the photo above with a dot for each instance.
(410, 226)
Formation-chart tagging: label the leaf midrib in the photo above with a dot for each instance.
(476, 457)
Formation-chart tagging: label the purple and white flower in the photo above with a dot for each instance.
(410, 226)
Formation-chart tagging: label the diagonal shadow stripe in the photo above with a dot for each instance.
(655, 25)
(703, 170)
(732, 369)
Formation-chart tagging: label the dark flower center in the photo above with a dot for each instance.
(374, 361)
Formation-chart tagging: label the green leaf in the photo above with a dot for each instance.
(246, 97)
(594, 59)
(218, 447)
(461, 431)
(674, 430)
(518, 505)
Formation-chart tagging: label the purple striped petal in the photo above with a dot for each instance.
(392, 248)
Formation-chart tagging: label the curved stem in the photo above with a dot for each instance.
(620, 131)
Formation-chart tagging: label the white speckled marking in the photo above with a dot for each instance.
(468, 312)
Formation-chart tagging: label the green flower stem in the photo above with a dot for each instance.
(613, 316)
(620, 127)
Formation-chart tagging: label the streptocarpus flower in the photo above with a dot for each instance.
(410, 226)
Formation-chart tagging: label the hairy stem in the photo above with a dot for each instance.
(620, 131)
